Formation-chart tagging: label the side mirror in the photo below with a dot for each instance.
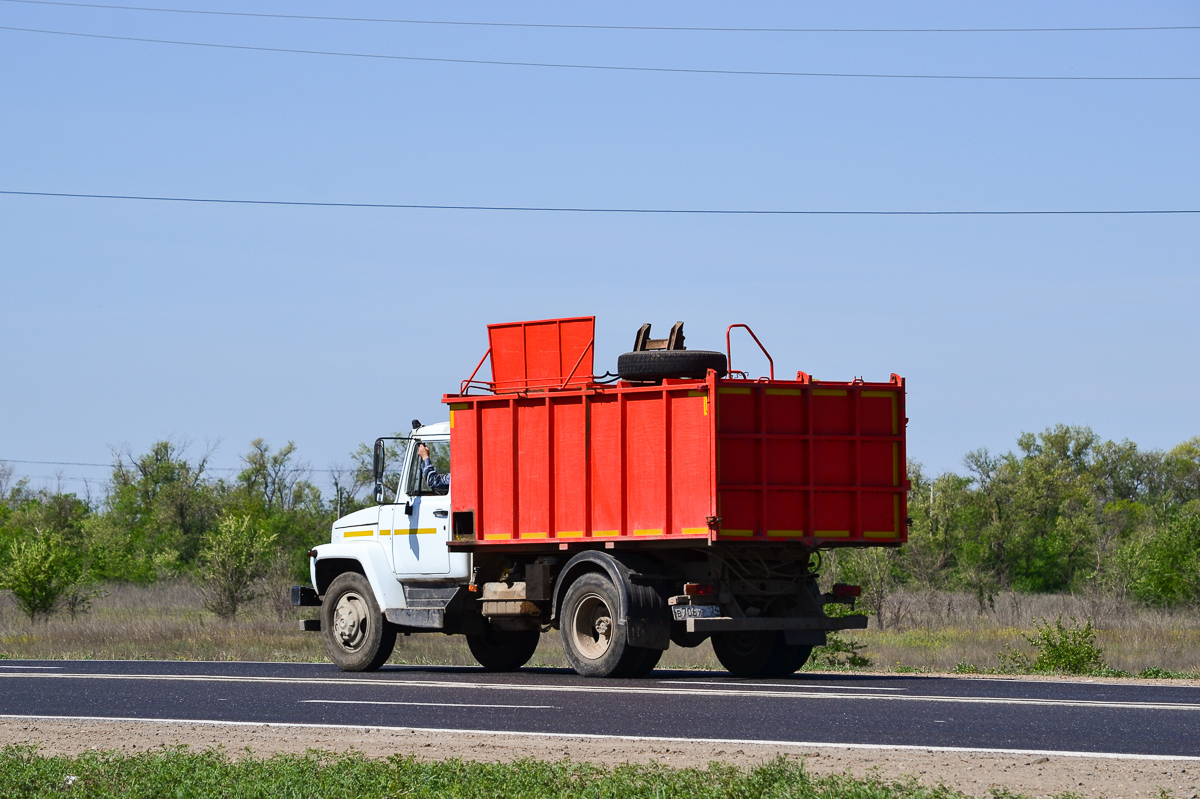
(377, 469)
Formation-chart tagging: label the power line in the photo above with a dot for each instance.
(562, 26)
(599, 210)
(605, 67)
(110, 465)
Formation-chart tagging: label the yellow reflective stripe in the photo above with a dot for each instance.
(417, 531)
(740, 533)
(385, 532)
(569, 534)
(459, 406)
(786, 533)
(535, 535)
(880, 534)
(496, 536)
(832, 533)
(694, 531)
(648, 532)
(785, 392)
(357, 533)
(605, 532)
(829, 392)
(732, 390)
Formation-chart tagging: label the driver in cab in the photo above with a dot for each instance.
(438, 482)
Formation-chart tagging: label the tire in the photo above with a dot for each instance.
(646, 664)
(758, 654)
(748, 654)
(658, 364)
(357, 637)
(788, 660)
(504, 650)
(594, 643)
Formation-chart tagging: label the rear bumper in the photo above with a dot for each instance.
(728, 624)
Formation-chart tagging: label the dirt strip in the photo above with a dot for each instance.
(972, 773)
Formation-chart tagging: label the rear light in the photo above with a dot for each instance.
(699, 589)
(841, 589)
(312, 553)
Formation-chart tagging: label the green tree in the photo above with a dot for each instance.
(158, 510)
(39, 571)
(234, 557)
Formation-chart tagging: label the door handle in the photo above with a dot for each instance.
(441, 514)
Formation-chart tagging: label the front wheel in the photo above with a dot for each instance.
(356, 635)
(503, 650)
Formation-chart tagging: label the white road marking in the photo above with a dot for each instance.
(6, 666)
(596, 688)
(422, 704)
(595, 736)
(780, 685)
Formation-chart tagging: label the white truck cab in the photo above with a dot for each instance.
(411, 531)
(389, 561)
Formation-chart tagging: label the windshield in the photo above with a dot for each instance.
(439, 456)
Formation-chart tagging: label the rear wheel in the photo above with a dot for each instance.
(357, 637)
(595, 644)
(504, 650)
(758, 654)
(747, 654)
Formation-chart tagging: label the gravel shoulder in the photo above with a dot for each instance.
(972, 773)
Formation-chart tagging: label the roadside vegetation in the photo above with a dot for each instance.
(179, 772)
(1070, 554)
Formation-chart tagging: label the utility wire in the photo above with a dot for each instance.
(109, 466)
(689, 28)
(605, 67)
(600, 210)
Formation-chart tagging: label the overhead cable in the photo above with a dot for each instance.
(568, 26)
(607, 210)
(605, 67)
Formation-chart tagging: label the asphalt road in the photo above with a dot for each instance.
(1000, 714)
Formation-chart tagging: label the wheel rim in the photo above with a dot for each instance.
(592, 627)
(350, 621)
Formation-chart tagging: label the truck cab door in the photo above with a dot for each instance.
(421, 524)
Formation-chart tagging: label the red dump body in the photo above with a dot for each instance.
(688, 461)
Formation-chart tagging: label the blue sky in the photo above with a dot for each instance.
(126, 322)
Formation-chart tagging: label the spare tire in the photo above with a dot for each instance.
(658, 364)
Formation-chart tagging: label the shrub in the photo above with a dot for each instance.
(39, 571)
(1057, 647)
(232, 559)
(839, 652)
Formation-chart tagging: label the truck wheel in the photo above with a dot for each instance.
(356, 635)
(594, 643)
(787, 660)
(503, 650)
(657, 364)
(748, 654)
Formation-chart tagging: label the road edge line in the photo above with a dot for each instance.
(599, 736)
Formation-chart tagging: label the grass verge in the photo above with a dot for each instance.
(212, 773)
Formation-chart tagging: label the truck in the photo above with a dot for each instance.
(676, 501)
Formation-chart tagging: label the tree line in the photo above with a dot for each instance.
(1064, 511)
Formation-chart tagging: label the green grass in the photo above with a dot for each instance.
(195, 775)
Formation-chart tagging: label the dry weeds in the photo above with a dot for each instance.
(931, 631)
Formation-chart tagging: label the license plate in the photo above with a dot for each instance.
(682, 612)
